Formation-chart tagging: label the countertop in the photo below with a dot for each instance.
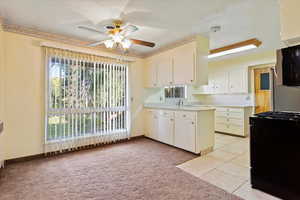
(175, 107)
(190, 107)
(232, 106)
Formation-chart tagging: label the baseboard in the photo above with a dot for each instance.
(23, 159)
(42, 155)
(241, 136)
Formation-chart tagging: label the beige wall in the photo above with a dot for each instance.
(1, 93)
(289, 19)
(24, 96)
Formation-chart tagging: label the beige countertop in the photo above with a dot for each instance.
(232, 106)
(175, 107)
(190, 107)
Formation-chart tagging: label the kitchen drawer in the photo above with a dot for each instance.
(221, 119)
(186, 115)
(237, 122)
(221, 127)
(236, 115)
(236, 110)
(237, 130)
(166, 113)
(222, 109)
(221, 114)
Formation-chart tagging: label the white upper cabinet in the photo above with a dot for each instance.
(219, 82)
(226, 82)
(289, 19)
(238, 81)
(164, 69)
(151, 73)
(184, 64)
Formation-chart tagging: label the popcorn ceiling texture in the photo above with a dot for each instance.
(137, 169)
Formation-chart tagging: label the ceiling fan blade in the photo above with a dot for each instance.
(91, 29)
(96, 43)
(128, 29)
(143, 43)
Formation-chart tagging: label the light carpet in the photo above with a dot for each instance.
(137, 169)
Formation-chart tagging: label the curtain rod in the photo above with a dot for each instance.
(87, 51)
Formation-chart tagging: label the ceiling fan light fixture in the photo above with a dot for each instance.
(109, 43)
(117, 38)
(126, 43)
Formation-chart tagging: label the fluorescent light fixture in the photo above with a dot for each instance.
(235, 48)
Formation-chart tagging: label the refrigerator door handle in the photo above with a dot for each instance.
(275, 72)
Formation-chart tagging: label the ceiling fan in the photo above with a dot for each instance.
(117, 34)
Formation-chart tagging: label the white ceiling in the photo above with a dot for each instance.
(159, 21)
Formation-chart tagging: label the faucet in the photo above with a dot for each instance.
(180, 102)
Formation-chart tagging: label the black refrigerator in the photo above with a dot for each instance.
(275, 135)
(285, 97)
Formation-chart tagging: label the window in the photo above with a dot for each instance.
(175, 92)
(86, 99)
(265, 81)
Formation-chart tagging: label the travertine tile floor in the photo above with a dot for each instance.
(227, 167)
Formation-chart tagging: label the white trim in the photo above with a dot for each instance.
(87, 51)
(47, 99)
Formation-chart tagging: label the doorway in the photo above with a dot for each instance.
(263, 89)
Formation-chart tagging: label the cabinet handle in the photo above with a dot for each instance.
(184, 115)
(193, 123)
(192, 80)
(171, 120)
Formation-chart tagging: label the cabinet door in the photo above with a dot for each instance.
(184, 64)
(166, 129)
(238, 81)
(185, 133)
(151, 73)
(152, 124)
(165, 70)
(220, 83)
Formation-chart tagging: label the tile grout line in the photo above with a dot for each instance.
(240, 186)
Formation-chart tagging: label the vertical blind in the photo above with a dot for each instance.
(87, 102)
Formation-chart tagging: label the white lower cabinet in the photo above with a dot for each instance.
(189, 130)
(233, 121)
(166, 127)
(185, 131)
(152, 124)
